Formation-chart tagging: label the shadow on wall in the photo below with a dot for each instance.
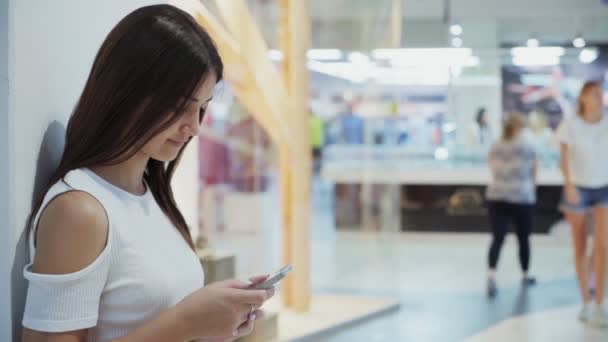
(49, 157)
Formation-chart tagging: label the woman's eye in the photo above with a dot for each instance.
(201, 112)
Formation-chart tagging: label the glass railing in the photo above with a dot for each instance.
(419, 157)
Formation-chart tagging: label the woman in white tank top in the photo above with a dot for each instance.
(111, 256)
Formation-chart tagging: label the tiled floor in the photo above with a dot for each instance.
(439, 280)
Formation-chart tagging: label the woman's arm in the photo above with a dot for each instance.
(569, 189)
(563, 162)
(72, 232)
(168, 326)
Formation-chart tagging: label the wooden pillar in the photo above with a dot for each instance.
(287, 291)
(237, 72)
(287, 288)
(294, 37)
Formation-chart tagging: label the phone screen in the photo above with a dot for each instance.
(273, 279)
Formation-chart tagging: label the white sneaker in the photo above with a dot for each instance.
(585, 313)
(599, 318)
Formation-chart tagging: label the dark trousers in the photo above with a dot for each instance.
(501, 214)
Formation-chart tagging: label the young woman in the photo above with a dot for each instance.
(112, 257)
(511, 195)
(584, 142)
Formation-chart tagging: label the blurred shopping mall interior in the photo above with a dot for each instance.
(349, 138)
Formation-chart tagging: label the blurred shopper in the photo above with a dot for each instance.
(584, 162)
(352, 127)
(317, 137)
(112, 256)
(480, 133)
(511, 195)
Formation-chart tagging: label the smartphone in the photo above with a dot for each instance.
(275, 278)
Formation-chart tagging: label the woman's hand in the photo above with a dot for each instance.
(223, 311)
(244, 330)
(572, 195)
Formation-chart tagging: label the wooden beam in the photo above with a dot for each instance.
(266, 79)
(237, 72)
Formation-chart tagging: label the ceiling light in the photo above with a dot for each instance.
(588, 55)
(532, 42)
(579, 42)
(457, 42)
(456, 29)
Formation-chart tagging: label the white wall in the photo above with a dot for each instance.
(5, 283)
(51, 46)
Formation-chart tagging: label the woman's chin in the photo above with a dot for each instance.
(166, 157)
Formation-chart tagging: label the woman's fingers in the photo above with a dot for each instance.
(259, 314)
(252, 297)
(245, 329)
(258, 279)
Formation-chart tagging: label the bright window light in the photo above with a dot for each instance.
(441, 153)
(472, 61)
(538, 60)
(438, 57)
(421, 54)
(357, 73)
(358, 57)
(275, 55)
(324, 54)
(449, 127)
(537, 51)
(455, 71)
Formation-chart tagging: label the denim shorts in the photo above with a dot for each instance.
(589, 198)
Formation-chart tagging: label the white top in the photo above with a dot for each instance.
(146, 267)
(512, 165)
(587, 148)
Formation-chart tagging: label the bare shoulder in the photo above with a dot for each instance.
(72, 232)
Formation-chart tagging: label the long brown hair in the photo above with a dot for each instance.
(587, 87)
(139, 85)
(513, 125)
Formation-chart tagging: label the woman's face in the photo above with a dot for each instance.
(592, 100)
(166, 145)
